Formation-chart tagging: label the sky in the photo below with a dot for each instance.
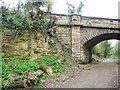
(94, 8)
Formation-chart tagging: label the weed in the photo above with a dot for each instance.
(14, 66)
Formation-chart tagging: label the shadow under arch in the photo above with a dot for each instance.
(94, 41)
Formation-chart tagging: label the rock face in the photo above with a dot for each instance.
(23, 46)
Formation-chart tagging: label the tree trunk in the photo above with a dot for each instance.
(46, 69)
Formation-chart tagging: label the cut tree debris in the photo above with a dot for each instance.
(46, 69)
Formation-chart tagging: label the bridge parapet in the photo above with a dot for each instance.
(64, 20)
(99, 22)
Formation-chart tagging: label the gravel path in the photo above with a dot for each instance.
(103, 75)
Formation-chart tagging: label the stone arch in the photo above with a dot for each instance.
(88, 45)
(92, 33)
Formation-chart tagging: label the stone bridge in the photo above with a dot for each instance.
(82, 33)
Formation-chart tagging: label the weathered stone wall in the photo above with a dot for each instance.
(63, 45)
(76, 54)
(24, 46)
(86, 21)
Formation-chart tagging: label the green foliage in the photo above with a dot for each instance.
(13, 20)
(116, 51)
(5, 71)
(13, 66)
(103, 49)
(26, 66)
(97, 50)
(29, 18)
(106, 49)
(53, 62)
(18, 66)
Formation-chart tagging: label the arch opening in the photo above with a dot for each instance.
(88, 46)
(107, 49)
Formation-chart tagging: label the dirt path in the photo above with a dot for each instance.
(103, 75)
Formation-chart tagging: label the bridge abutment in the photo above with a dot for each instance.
(76, 44)
(79, 54)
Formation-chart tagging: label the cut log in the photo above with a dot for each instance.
(46, 69)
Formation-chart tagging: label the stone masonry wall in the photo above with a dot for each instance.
(76, 54)
(23, 46)
(64, 42)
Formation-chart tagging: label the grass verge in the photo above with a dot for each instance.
(13, 67)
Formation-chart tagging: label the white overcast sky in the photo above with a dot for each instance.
(94, 8)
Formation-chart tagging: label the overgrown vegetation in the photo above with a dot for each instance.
(104, 50)
(116, 51)
(12, 19)
(12, 67)
(72, 10)
(31, 18)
